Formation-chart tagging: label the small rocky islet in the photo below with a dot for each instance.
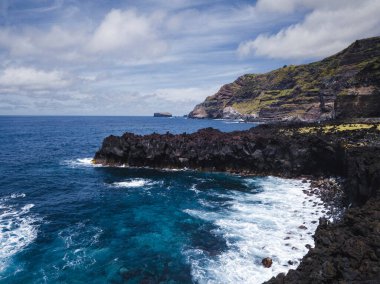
(162, 114)
(326, 126)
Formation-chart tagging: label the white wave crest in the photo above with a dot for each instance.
(194, 188)
(277, 222)
(139, 182)
(18, 229)
(81, 162)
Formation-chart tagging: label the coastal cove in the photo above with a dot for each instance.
(347, 248)
(75, 221)
(190, 142)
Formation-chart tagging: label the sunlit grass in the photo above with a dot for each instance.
(338, 128)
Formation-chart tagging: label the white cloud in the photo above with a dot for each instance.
(159, 55)
(325, 30)
(35, 42)
(127, 32)
(31, 79)
(122, 35)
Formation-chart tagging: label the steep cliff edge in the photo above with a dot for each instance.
(345, 85)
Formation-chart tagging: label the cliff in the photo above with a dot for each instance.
(345, 85)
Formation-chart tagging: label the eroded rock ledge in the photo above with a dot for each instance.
(349, 250)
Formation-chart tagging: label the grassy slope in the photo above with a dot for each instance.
(294, 88)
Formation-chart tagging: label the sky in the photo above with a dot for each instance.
(108, 57)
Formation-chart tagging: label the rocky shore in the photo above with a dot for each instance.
(348, 250)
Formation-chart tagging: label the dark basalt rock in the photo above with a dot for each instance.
(267, 262)
(348, 250)
(162, 114)
(257, 151)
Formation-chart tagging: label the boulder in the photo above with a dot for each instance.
(267, 262)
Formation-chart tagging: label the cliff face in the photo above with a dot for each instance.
(345, 85)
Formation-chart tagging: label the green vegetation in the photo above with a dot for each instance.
(338, 128)
(296, 87)
(263, 100)
(253, 106)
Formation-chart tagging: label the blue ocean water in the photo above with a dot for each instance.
(63, 220)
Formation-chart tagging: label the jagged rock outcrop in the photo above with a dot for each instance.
(290, 151)
(345, 85)
(257, 151)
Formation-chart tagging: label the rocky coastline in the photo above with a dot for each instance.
(347, 250)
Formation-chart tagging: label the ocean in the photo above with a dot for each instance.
(65, 220)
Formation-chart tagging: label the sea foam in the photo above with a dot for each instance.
(138, 182)
(79, 241)
(18, 229)
(80, 162)
(270, 223)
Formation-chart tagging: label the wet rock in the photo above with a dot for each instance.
(341, 256)
(267, 262)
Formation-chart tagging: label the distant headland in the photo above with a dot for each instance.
(344, 85)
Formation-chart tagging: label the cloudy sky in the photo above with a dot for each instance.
(108, 57)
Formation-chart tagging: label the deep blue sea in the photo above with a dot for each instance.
(64, 220)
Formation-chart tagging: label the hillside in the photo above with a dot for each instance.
(345, 85)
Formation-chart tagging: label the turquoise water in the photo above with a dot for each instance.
(63, 220)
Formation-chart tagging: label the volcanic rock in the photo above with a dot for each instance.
(162, 114)
(267, 262)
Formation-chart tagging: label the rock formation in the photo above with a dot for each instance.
(267, 262)
(162, 114)
(291, 151)
(345, 85)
